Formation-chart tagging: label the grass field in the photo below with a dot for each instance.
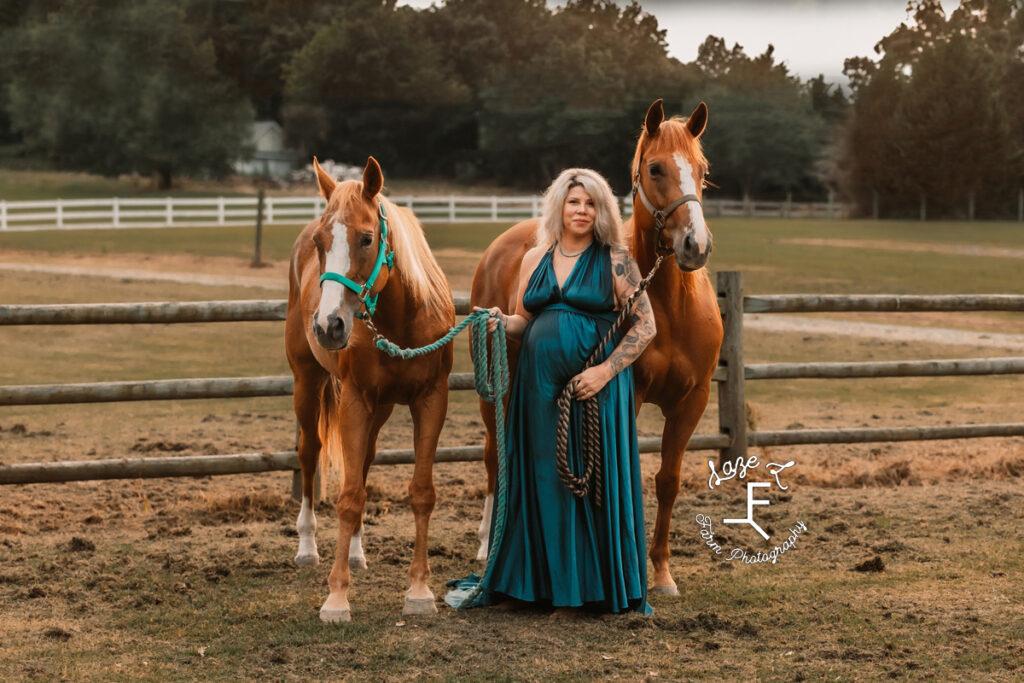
(191, 578)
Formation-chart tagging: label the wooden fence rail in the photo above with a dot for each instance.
(731, 441)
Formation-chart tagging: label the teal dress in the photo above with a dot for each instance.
(557, 549)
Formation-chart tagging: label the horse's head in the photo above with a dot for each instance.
(351, 243)
(668, 180)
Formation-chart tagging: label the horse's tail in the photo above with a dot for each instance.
(329, 429)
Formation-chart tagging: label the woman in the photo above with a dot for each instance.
(558, 549)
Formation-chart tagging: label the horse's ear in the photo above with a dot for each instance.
(373, 179)
(324, 181)
(698, 120)
(655, 115)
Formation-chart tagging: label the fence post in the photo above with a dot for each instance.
(535, 208)
(494, 207)
(748, 206)
(269, 210)
(451, 208)
(831, 204)
(732, 413)
(786, 206)
(3, 214)
(220, 211)
(60, 213)
(257, 251)
(115, 212)
(169, 211)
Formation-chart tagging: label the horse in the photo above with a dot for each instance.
(675, 370)
(364, 258)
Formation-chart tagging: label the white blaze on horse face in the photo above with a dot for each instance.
(335, 261)
(689, 186)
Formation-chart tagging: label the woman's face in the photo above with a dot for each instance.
(578, 213)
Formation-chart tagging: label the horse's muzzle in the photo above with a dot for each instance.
(335, 336)
(689, 255)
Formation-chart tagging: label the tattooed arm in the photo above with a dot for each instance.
(626, 275)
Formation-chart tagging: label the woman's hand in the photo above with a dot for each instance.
(496, 315)
(586, 384)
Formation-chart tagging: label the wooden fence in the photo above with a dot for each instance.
(170, 212)
(731, 441)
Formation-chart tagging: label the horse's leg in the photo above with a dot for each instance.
(680, 422)
(428, 413)
(491, 464)
(354, 440)
(306, 398)
(356, 557)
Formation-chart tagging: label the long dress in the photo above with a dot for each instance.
(558, 549)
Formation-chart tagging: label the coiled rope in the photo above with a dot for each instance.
(491, 379)
(592, 480)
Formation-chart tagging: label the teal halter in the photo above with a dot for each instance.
(384, 255)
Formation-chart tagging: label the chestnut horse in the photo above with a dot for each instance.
(675, 370)
(364, 252)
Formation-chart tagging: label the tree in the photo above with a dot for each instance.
(372, 82)
(940, 114)
(764, 134)
(122, 87)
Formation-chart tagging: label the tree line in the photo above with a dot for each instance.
(504, 90)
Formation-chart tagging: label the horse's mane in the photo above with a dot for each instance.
(415, 263)
(673, 134)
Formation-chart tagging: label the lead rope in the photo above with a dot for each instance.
(592, 479)
(491, 378)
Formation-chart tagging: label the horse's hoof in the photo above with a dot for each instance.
(333, 616)
(665, 590)
(419, 607)
(481, 554)
(357, 563)
(307, 560)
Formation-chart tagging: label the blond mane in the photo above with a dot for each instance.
(418, 268)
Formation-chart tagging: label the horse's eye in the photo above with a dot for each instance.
(365, 240)
(655, 170)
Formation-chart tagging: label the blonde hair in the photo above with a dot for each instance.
(607, 223)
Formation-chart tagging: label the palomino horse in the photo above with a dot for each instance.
(675, 371)
(365, 252)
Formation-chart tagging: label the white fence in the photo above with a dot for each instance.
(169, 212)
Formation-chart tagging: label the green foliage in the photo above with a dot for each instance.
(940, 115)
(122, 87)
(766, 129)
(512, 90)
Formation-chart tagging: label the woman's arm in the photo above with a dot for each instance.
(515, 324)
(626, 276)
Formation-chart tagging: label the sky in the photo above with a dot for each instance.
(810, 36)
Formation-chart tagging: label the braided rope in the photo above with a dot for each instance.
(592, 480)
(491, 379)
